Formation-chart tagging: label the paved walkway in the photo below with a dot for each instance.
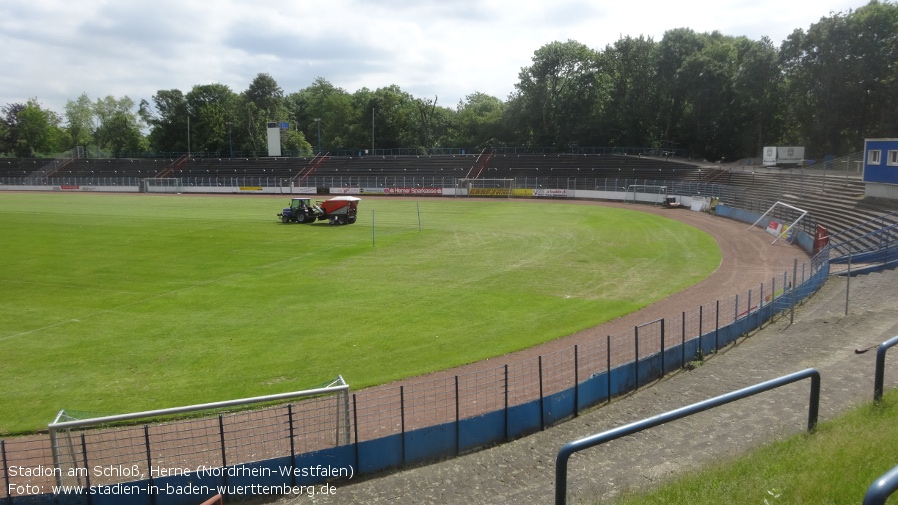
(822, 336)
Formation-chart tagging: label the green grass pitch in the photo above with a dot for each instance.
(121, 303)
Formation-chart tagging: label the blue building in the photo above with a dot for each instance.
(881, 168)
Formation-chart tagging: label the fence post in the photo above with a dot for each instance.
(847, 283)
(786, 279)
(224, 460)
(608, 366)
(683, 341)
(717, 327)
(506, 402)
(773, 291)
(761, 307)
(662, 348)
(636, 356)
(5, 470)
(457, 421)
(355, 429)
(86, 466)
(792, 291)
(402, 420)
(576, 381)
(292, 443)
(701, 319)
(146, 440)
(542, 418)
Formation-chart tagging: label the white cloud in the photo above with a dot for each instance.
(55, 50)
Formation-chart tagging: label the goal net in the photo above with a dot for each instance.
(504, 188)
(646, 193)
(162, 185)
(210, 435)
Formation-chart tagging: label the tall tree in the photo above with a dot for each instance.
(261, 103)
(394, 113)
(29, 129)
(557, 95)
(210, 108)
(674, 49)
(479, 120)
(9, 127)
(118, 125)
(630, 68)
(79, 121)
(167, 118)
(323, 111)
(759, 93)
(870, 57)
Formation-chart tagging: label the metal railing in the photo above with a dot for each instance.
(879, 373)
(571, 448)
(885, 486)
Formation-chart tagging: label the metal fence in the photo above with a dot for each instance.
(674, 187)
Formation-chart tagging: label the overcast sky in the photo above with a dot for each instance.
(56, 50)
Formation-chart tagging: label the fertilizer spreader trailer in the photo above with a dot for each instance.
(337, 210)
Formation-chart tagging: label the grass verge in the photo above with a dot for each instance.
(834, 465)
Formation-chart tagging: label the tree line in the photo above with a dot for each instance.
(718, 97)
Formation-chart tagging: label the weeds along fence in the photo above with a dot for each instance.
(388, 426)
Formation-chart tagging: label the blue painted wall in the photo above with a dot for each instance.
(880, 172)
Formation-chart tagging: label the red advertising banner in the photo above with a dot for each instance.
(821, 238)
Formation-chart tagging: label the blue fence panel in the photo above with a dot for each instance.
(335, 457)
(674, 358)
(481, 431)
(691, 349)
(559, 406)
(649, 368)
(524, 419)
(707, 342)
(623, 379)
(380, 454)
(728, 334)
(593, 390)
(433, 442)
(745, 216)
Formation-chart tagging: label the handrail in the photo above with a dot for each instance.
(570, 448)
(865, 223)
(879, 373)
(887, 230)
(882, 488)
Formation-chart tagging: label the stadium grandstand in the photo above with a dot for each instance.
(832, 194)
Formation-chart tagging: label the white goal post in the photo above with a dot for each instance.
(776, 216)
(162, 185)
(325, 408)
(647, 193)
